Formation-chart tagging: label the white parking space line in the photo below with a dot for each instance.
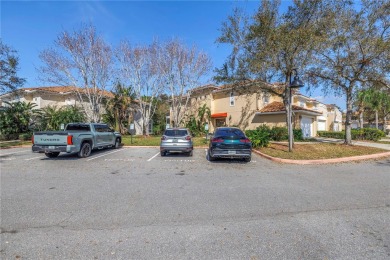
(4, 154)
(32, 158)
(105, 154)
(179, 160)
(153, 157)
(119, 160)
(7, 159)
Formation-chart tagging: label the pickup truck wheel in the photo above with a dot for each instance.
(117, 143)
(52, 154)
(85, 150)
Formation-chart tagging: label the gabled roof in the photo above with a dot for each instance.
(278, 107)
(58, 90)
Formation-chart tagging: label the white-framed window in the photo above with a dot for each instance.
(232, 101)
(266, 97)
(302, 103)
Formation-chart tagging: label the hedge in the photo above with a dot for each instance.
(264, 134)
(357, 134)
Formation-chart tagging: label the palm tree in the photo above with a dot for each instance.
(372, 99)
(119, 108)
(17, 117)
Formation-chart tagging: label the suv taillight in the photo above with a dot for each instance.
(163, 137)
(188, 138)
(217, 140)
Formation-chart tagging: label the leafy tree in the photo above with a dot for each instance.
(9, 62)
(355, 52)
(269, 47)
(375, 100)
(16, 117)
(82, 59)
(197, 122)
(159, 117)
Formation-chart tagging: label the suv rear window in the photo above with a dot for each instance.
(78, 127)
(176, 132)
(230, 132)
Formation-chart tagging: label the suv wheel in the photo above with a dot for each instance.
(163, 153)
(210, 157)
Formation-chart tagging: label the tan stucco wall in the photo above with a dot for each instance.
(270, 120)
(240, 114)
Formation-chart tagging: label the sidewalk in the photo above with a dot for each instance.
(340, 141)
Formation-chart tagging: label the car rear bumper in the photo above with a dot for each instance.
(221, 153)
(177, 147)
(53, 148)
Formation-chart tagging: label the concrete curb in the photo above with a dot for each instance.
(324, 161)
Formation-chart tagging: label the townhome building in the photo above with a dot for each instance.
(248, 108)
(60, 96)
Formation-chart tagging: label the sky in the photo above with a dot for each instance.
(30, 27)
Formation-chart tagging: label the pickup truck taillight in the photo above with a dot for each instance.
(70, 139)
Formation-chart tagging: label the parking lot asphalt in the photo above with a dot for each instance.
(131, 203)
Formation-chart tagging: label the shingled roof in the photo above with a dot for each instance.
(276, 106)
(62, 90)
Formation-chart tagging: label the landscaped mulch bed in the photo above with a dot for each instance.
(318, 151)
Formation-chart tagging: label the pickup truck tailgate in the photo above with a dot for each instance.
(51, 138)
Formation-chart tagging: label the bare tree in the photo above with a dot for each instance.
(356, 51)
(81, 59)
(140, 70)
(181, 69)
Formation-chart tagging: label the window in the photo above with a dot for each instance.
(266, 98)
(302, 103)
(220, 122)
(231, 99)
(78, 127)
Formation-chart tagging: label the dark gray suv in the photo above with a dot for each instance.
(176, 139)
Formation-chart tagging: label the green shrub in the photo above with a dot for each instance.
(357, 134)
(259, 137)
(327, 134)
(9, 137)
(278, 133)
(25, 136)
(298, 134)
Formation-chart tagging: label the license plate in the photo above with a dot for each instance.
(52, 147)
(174, 140)
(231, 152)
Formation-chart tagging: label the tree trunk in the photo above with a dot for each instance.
(376, 119)
(348, 136)
(288, 107)
(361, 119)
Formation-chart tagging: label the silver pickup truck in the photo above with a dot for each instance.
(80, 138)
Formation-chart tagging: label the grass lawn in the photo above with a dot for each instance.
(317, 151)
(155, 141)
(14, 143)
